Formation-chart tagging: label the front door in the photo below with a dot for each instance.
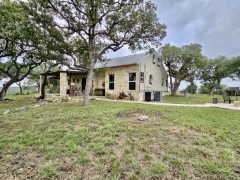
(83, 83)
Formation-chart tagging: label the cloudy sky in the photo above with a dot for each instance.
(215, 24)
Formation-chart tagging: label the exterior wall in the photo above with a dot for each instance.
(158, 72)
(66, 80)
(76, 80)
(99, 79)
(121, 80)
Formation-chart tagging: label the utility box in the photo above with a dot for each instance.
(148, 96)
(215, 100)
(158, 96)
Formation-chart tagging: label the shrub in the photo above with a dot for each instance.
(191, 88)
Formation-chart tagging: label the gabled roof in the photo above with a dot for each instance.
(121, 61)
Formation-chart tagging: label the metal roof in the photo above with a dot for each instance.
(67, 71)
(121, 61)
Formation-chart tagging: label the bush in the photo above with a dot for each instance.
(191, 88)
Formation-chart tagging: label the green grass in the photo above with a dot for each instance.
(105, 141)
(192, 99)
(18, 101)
(12, 90)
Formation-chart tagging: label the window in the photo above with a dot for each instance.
(158, 63)
(162, 82)
(142, 77)
(132, 81)
(150, 79)
(154, 59)
(111, 81)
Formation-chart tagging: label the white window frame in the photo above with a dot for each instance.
(132, 81)
(150, 79)
(142, 77)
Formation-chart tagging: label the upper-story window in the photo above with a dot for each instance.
(158, 62)
(142, 77)
(132, 81)
(150, 79)
(111, 81)
(154, 59)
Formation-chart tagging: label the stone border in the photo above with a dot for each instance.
(11, 111)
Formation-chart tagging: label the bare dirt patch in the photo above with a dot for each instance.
(21, 165)
(133, 114)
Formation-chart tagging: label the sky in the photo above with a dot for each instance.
(215, 24)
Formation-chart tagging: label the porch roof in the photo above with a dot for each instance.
(57, 73)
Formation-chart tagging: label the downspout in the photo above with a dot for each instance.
(139, 79)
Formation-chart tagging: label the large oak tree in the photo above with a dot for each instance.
(95, 27)
(17, 50)
(183, 63)
(213, 73)
(24, 43)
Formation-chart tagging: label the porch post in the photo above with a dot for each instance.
(63, 83)
(40, 87)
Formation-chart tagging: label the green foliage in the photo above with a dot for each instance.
(48, 171)
(213, 73)
(191, 88)
(233, 66)
(183, 63)
(206, 88)
(24, 44)
(158, 168)
(93, 28)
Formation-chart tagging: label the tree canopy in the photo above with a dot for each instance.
(213, 73)
(93, 28)
(183, 63)
(24, 44)
(234, 67)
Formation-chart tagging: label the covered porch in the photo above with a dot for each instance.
(65, 83)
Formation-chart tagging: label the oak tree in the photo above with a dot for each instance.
(183, 63)
(94, 27)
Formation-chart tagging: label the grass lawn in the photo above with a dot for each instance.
(192, 99)
(105, 141)
(18, 101)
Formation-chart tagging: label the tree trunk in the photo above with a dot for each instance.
(20, 87)
(175, 88)
(88, 87)
(171, 84)
(191, 87)
(42, 90)
(90, 74)
(4, 90)
(211, 91)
